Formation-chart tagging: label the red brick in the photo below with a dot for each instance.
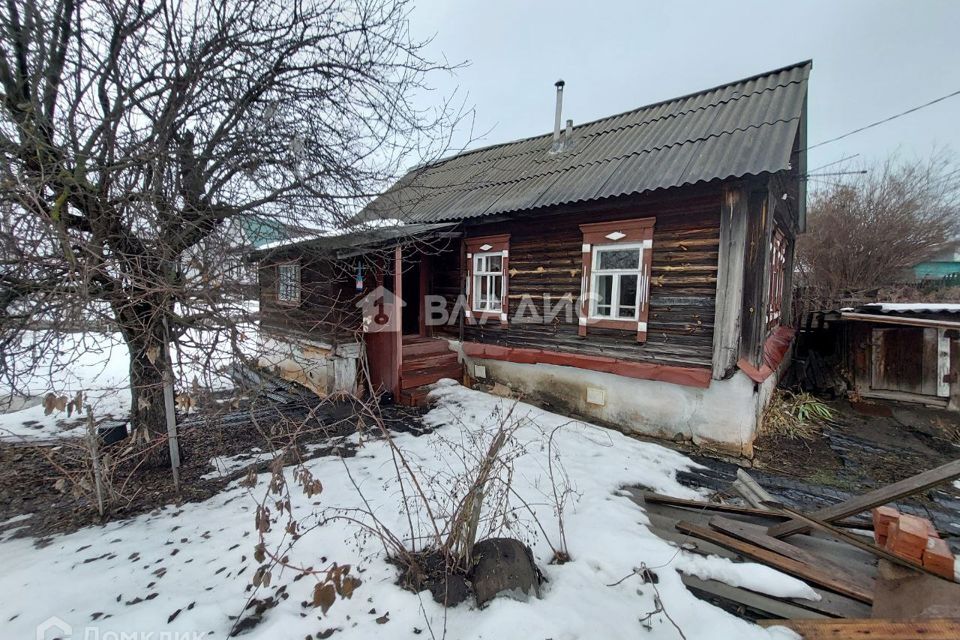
(912, 534)
(937, 558)
(882, 517)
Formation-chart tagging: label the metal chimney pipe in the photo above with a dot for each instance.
(556, 122)
(568, 134)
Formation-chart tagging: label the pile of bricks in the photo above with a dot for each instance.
(913, 539)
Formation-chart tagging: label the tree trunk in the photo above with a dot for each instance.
(149, 355)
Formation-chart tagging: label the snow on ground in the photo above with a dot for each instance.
(98, 364)
(187, 569)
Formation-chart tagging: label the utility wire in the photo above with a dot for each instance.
(830, 164)
(885, 120)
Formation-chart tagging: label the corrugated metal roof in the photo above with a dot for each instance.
(742, 128)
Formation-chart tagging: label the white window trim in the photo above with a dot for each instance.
(476, 273)
(615, 294)
(295, 265)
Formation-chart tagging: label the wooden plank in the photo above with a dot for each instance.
(881, 375)
(872, 628)
(758, 602)
(817, 575)
(909, 349)
(756, 534)
(929, 377)
(733, 239)
(699, 505)
(900, 320)
(954, 385)
(857, 541)
(875, 498)
(943, 364)
(929, 401)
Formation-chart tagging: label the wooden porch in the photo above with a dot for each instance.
(424, 361)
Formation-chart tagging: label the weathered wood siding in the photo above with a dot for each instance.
(326, 311)
(545, 258)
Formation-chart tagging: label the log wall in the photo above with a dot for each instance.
(326, 311)
(545, 258)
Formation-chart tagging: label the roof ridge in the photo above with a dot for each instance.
(438, 163)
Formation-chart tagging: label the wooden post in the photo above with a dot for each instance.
(733, 237)
(94, 446)
(169, 406)
(398, 315)
(756, 276)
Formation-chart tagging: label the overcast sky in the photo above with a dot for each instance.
(870, 60)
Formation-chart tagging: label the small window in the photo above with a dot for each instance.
(616, 275)
(488, 282)
(487, 278)
(288, 283)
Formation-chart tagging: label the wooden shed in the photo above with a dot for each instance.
(902, 351)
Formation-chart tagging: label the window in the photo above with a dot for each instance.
(616, 275)
(288, 283)
(778, 265)
(488, 282)
(487, 277)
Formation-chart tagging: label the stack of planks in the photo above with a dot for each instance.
(874, 586)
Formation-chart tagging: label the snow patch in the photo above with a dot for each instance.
(187, 568)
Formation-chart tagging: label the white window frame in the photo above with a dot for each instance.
(595, 272)
(292, 298)
(491, 277)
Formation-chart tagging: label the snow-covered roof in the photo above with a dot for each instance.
(910, 307)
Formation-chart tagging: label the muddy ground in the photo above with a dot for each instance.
(867, 445)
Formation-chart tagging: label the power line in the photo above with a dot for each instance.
(830, 164)
(885, 120)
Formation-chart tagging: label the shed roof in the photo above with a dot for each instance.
(910, 307)
(742, 128)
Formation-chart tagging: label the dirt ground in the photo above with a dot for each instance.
(867, 445)
(29, 474)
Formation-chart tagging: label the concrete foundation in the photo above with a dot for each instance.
(723, 416)
(322, 368)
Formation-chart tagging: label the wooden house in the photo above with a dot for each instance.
(635, 270)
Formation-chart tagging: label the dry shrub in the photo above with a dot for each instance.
(795, 416)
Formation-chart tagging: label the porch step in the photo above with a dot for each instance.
(424, 347)
(413, 363)
(421, 377)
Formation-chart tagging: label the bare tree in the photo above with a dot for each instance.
(136, 134)
(864, 232)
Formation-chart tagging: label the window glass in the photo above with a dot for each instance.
(628, 296)
(618, 259)
(487, 282)
(615, 282)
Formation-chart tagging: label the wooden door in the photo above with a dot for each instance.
(910, 360)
